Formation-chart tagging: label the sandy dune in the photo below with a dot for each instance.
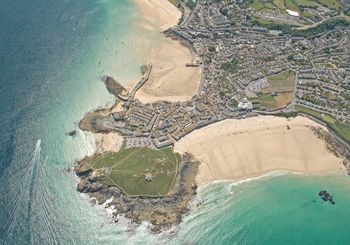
(170, 78)
(235, 149)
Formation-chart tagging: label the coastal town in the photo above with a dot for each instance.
(253, 61)
(260, 62)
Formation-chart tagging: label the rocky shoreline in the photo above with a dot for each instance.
(162, 212)
(94, 120)
(335, 145)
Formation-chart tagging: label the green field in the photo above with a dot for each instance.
(327, 65)
(323, 117)
(295, 5)
(128, 169)
(262, 7)
(279, 4)
(282, 82)
(267, 100)
(331, 4)
(290, 4)
(343, 130)
(174, 2)
(257, 5)
(306, 3)
(265, 22)
(280, 92)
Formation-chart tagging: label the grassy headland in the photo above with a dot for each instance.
(130, 168)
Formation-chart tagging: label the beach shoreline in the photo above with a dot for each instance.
(228, 150)
(235, 149)
(168, 57)
(269, 175)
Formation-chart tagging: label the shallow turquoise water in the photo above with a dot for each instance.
(282, 209)
(53, 54)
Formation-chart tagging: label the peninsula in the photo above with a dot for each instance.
(235, 89)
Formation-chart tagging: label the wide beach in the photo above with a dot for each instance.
(168, 58)
(236, 149)
(170, 79)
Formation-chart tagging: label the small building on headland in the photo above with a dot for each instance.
(148, 177)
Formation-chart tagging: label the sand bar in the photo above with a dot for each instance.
(235, 149)
(170, 78)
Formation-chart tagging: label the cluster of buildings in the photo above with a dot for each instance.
(236, 56)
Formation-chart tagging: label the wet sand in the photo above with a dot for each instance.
(170, 79)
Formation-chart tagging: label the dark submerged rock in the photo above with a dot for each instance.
(327, 197)
(72, 133)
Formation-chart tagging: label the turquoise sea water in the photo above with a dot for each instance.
(53, 54)
(273, 209)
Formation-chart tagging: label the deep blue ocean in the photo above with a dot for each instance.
(53, 54)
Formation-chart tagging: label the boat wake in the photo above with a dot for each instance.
(32, 202)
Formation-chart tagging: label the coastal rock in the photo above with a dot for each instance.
(89, 188)
(163, 212)
(83, 173)
(72, 133)
(94, 122)
(101, 196)
(113, 86)
(115, 191)
(327, 197)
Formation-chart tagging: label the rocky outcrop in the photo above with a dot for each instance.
(162, 212)
(335, 144)
(113, 86)
(95, 121)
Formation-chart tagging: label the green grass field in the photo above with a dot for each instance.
(257, 5)
(174, 2)
(306, 3)
(279, 4)
(290, 4)
(282, 82)
(262, 7)
(343, 130)
(295, 5)
(331, 4)
(327, 65)
(280, 92)
(323, 117)
(267, 22)
(267, 100)
(128, 169)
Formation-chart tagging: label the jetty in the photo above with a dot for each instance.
(140, 83)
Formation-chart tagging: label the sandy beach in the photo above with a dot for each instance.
(170, 79)
(111, 142)
(235, 149)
